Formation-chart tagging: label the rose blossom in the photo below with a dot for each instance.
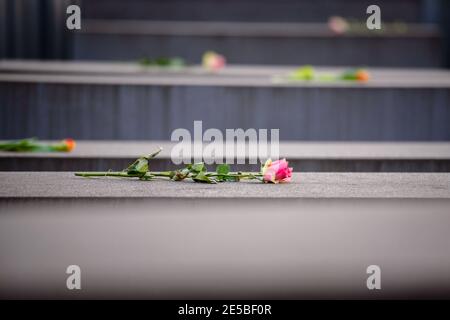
(338, 25)
(213, 61)
(276, 171)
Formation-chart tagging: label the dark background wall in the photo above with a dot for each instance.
(35, 29)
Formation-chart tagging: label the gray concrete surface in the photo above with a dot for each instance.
(181, 248)
(393, 106)
(252, 43)
(288, 149)
(23, 185)
(302, 156)
(233, 75)
(283, 30)
(312, 238)
(422, 76)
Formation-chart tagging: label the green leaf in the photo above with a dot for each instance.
(162, 62)
(154, 154)
(223, 169)
(232, 179)
(180, 174)
(139, 166)
(24, 145)
(198, 167)
(202, 177)
(303, 73)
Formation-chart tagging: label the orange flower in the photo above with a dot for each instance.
(362, 75)
(69, 144)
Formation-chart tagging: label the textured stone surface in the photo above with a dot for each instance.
(302, 156)
(389, 76)
(394, 106)
(224, 248)
(304, 185)
(122, 73)
(252, 43)
(289, 150)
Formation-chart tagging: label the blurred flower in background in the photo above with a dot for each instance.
(338, 25)
(213, 61)
(33, 145)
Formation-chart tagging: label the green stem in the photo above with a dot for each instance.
(236, 174)
(122, 174)
(168, 174)
(103, 174)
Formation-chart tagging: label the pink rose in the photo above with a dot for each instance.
(213, 61)
(338, 25)
(276, 171)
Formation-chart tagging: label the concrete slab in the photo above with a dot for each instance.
(246, 29)
(313, 238)
(55, 185)
(288, 149)
(252, 43)
(233, 75)
(394, 106)
(302, 156)
(235, 248)
(135, 69)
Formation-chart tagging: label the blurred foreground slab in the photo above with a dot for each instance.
(313, 238)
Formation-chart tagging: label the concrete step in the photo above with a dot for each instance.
(253, 43)
(379, 76)
(302, 156)
(128, 104)
(312, 238)
(55, 185)
(252, 10)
